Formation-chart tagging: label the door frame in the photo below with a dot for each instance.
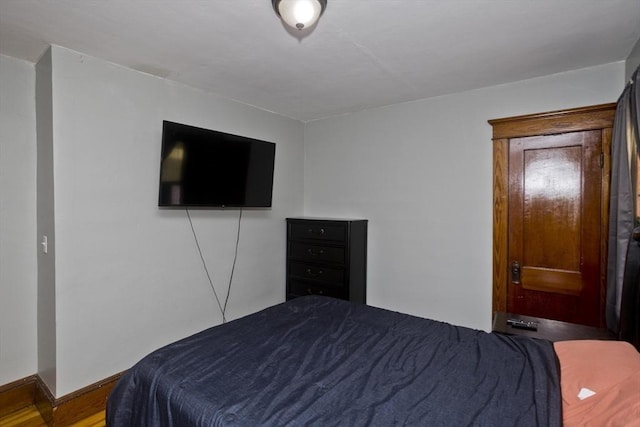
(597, 117)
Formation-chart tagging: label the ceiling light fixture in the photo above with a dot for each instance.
(299, 14)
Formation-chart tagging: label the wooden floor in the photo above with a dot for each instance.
(30, 417)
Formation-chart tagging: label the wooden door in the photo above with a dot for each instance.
(555, 184)
(551, 192)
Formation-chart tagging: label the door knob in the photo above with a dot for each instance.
(515, 272)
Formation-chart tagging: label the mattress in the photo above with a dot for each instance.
(323, 361)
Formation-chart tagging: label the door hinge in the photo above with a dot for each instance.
(601, 160)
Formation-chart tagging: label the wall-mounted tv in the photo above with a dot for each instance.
(206, 168)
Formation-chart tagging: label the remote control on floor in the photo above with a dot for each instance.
(523, 324)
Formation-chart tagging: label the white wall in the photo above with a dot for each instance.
(128, 275)
(633, 60)
(47, 335)
(17, 220)
(421, 172)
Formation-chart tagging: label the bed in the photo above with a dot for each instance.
(328, 362)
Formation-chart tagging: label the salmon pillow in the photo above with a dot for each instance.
(600, 382)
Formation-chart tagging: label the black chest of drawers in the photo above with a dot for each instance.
(327, 257)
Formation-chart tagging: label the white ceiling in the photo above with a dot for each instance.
(362, 53)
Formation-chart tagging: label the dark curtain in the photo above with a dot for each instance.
(622, 208)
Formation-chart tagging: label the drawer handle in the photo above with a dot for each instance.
(319, 232)
(315, 253)
(318, 292)
(310, 272)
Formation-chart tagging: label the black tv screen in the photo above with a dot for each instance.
(207, 168)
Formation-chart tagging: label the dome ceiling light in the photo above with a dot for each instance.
(299, 14)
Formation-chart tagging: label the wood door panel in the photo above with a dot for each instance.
(570, 308)
(554, 258)
(552, 280)
(551, 190)
(554, 225)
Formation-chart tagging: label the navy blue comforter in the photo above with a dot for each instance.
(325, 362)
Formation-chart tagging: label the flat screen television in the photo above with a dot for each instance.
(206, 168)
